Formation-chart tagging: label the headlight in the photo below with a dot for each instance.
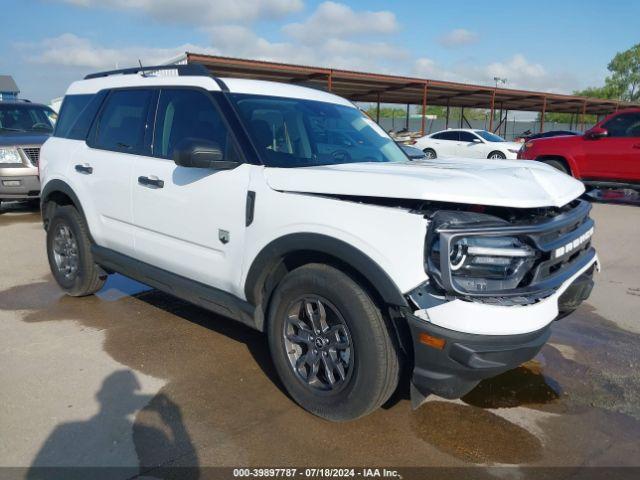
(479, 264)
(463, 256)
(9, 155)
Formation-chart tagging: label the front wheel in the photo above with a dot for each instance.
(497, 155)
(558, 165)
(330, 344)
(69, 253)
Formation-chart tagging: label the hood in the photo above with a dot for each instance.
(512, 145)
(9, 139)
(517, 183)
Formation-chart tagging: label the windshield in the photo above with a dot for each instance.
(26, 118)
(489, 137)
(290, 132)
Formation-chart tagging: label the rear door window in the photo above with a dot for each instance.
(123, 122)
(447, 136)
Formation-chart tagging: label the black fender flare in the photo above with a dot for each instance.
(58, 185)
(273, 253)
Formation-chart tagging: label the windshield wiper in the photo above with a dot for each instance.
(13, 129)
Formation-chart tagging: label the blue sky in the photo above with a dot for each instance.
(542, 45)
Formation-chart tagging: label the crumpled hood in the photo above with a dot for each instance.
(517, 183)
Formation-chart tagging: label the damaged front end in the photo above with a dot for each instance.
(496, 282)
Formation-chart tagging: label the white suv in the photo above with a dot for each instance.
(289, 210)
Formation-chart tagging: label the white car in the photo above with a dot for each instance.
(467, 143)
(289, 210)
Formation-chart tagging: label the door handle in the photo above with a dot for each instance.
(84, 168)
(151, 181)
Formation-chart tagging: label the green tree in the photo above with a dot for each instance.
(625, 74)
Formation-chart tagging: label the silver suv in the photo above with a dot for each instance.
(24, 127)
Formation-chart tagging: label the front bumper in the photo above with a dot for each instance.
(454, 363)
(19, 187)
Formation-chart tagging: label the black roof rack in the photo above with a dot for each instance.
(185, 70)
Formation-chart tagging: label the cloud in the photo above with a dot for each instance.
(69, 50)
(200, 12)
(458, 38)
(336, 20)
(239, 41)
(518, 70)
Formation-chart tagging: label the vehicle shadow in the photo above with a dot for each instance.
(19, 212)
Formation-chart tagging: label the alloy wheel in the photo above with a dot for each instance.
(65, 252)
(318, 344)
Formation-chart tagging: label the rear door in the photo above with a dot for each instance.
(103, 166)
(190, 221)
(446, 143)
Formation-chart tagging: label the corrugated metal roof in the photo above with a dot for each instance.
(372, 87)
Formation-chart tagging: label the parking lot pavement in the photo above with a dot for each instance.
(133, 377)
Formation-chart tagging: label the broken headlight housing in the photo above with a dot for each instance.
(473, 254)
(468, 254)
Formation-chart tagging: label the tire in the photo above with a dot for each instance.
(496, 155)
(69, 253)
(558, 165)
(370, 364)
(430, 153)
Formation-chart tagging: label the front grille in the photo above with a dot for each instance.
(33, 154)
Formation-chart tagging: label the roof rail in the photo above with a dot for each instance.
(186, 70)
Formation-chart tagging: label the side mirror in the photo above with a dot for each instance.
(477, 140)
(199, 153)
(596, 133)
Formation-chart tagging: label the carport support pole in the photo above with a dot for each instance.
(406, 124)
(447, 122)
(506, 116)
(493, 104)
(330, 81)
(544, 110)
(424, 110)
(584, 112)
(461, 115)
(378, 110)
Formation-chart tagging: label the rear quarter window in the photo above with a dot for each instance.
(77, 114)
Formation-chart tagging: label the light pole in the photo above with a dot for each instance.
(499, 80)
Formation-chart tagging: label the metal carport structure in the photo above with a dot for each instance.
(377, 88)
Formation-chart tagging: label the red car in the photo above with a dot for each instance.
(607, 155)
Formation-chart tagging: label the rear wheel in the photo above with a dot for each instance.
(497, 155)
(330, 344)
(430, 153)
(69, 253)
(558, 165)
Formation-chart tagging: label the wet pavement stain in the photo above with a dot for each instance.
(474, 434)
(219, 375)
(522, 386)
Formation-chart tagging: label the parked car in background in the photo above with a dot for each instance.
(607, 155)
(24, 127)
(412, 152)
(467, 143)
(526, 136)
